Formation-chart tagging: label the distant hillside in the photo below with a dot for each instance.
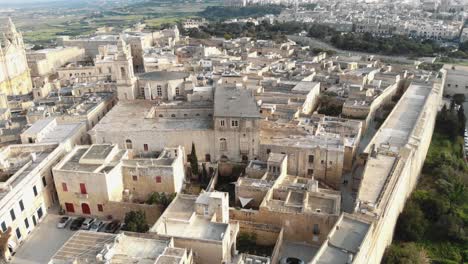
(227, 12)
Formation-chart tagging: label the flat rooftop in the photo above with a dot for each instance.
(98, 152)
(132, 117)
(24, 163)
(163, 76)
(389, 139)
(235, 102)
(298, 141)
(398, 126)
(198, 228)
(85, 246)
(378, 167)
(180, 220)
(344, 239)
(305, 252)
(91, 158)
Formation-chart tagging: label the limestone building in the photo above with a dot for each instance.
(457, 80)
(97, 179)
(26, 189)
(202, 224)
(226, 128)
(47, 61)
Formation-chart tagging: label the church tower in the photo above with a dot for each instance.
(14, 71)
(126, 80)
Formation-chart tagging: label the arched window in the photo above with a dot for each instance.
(222, 144)
(128, 144)
(122, 72)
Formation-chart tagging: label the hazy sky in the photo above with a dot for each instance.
(30, 1)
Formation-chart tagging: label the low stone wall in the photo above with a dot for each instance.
(267, 235)
(277, 250)
(289, 222)
(119, 209)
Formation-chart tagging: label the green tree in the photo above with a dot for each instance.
(411, 224)
(194, 160)
(161, 199)
(135, 221)
(405, 253)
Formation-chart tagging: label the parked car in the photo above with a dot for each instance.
(96, 225)
(63, 222)
(87, 223)
(113, 226)
(104, 226)
(76, 224)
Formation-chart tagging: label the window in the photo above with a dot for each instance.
(311, 158)
(316, 229)
(44, 181)
(135, 178)
(158, 179)
(234, 123)
(18, 233)
(83, 188)
(159, 90)
(128, 144)
(100, 208)
(12, 214)
(21, 205)
(177, 91)
(145, 147)
(39, 213)
(64, 187)
(122, 72)
(35, 190)
(85, 208)
(69, 207)
(26, 222)
(222, 144)
(207, 157)
(4, 227)
(310, 172)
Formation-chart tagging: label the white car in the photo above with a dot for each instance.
(96, 225)
(63, 222)
(87, 223)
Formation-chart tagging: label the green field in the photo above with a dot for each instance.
(43, 26)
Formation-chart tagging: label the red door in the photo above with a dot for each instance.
(69, 207)
(85, 208)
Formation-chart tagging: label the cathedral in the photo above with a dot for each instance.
(14, 72)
